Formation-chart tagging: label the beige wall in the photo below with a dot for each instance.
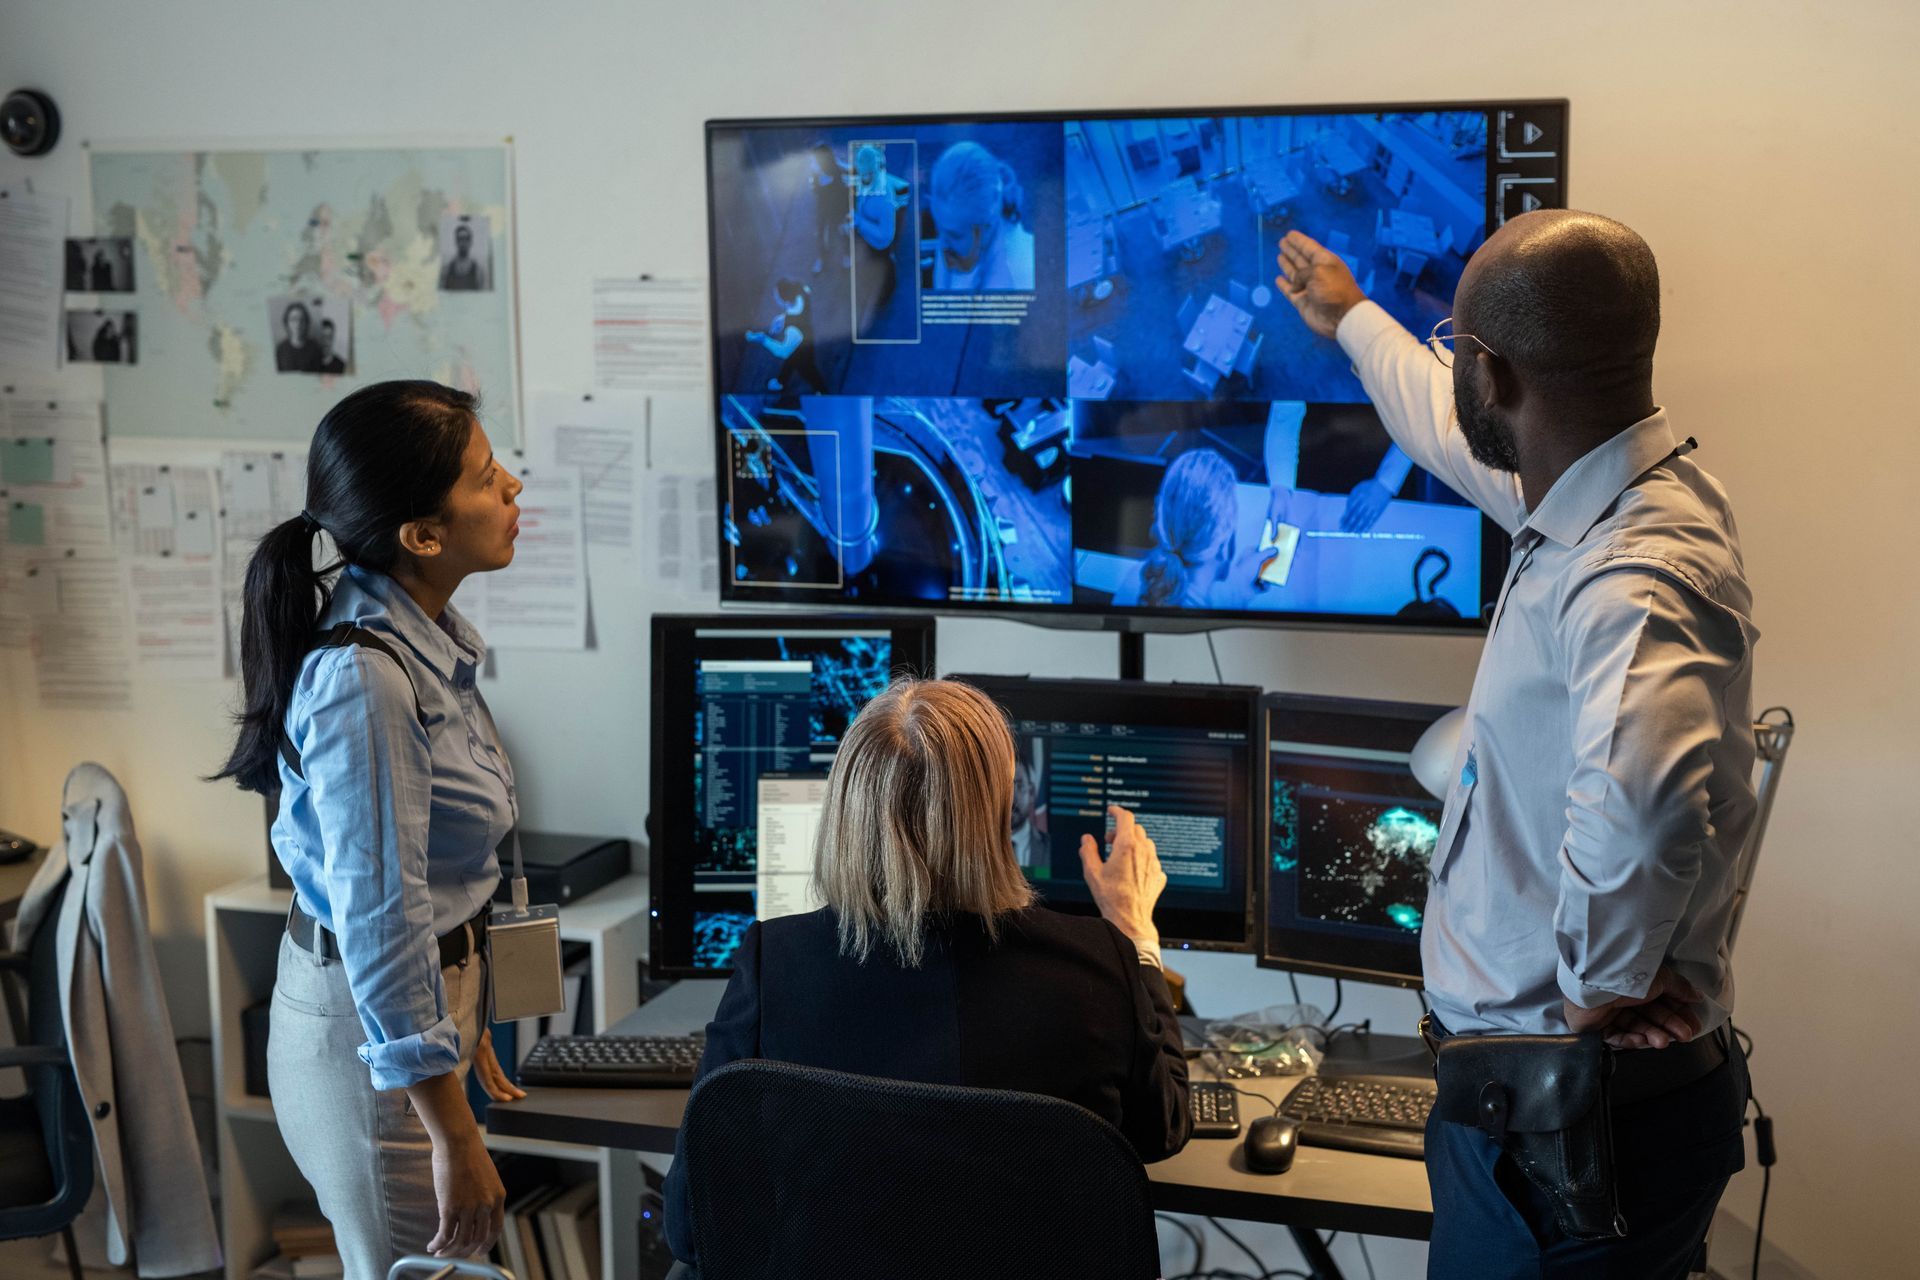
(1766, 149)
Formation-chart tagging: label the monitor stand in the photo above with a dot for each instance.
(1365, 1053)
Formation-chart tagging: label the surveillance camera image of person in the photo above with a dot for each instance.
(790, 336)
(927, 500)
(975, 203)
(466, 254)
(1174, 222)
(102, 337)
(850, 210)
(1283, 507)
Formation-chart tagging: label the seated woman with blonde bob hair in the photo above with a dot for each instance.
(931, 962)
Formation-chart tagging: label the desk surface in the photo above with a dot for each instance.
(14, 879)
(1328, 1190)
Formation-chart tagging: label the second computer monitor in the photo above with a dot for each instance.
(1181, 757)
(1351, 837)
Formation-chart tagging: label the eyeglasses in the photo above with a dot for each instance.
(1437, 343)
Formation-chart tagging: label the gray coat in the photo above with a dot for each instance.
(120, 1035)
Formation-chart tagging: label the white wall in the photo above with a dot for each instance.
(1767, 149)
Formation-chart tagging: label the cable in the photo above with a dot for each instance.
(1339, 995)
(1294, 979)
(1368, 1256)
(1259, 1267)
(1425, 1008)
(1218, 678)
(1763, 1148)
(1199, 1241)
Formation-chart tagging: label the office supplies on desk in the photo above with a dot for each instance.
(1374, 1114)
(614, 1062)
(15, 848)
(1216, 1109)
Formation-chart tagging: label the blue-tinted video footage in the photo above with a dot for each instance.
(898, 260)
(1173, 228)
(1281, 506)
(890, 501)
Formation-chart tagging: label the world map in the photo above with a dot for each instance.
(229, 244)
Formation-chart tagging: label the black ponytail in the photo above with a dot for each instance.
(387, 454)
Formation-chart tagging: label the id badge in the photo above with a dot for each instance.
(526, 963)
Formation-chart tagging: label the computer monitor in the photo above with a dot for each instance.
(1350, 837)
(1037, 365)
(1181, 757)
(736, 697)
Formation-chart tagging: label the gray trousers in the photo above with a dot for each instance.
(364, 1151)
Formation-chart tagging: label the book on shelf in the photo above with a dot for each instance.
(568, 1216)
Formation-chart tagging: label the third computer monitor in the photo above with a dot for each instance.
(1038, 364)
(1350, 837)
(1181, 757)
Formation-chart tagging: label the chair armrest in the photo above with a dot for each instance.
(33, 1055)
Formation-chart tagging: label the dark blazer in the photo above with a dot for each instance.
(1060, 1005)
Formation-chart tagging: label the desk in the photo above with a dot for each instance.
(1086, 251)
(1270, 188)
(1410, 231)
(1325, 1190)
(1218, 333)
(1088, 381)
(1186, 215)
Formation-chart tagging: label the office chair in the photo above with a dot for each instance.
(46, 1142)
(1105, 353)
(1188, 313)
(1239, 295)
(796, 1171)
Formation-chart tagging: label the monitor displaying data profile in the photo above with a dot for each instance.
(1037, 364)
(1350, 837)
(746, 706)
(1181, 757)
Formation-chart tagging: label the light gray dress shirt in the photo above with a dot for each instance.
(1602, 790)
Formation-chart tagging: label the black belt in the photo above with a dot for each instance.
(1638, 1074)
(455, 945)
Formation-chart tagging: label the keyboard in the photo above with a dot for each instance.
(613, 1062)
(1380, 1115)
(1216, 1109)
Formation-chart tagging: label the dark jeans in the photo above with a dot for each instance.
(1673, 1155)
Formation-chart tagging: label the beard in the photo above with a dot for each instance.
(1488, 438)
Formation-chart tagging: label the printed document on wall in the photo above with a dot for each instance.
(32, 231)
(259, 488)
(79, 619)
(53, 476)
(597, 435)
(165, 526)
(650, 335)
(540, 600)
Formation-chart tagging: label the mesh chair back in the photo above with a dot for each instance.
(795, 1172)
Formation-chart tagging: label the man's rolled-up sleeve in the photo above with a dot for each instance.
(1650, 663)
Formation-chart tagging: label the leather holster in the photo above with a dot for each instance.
(1546, 1101)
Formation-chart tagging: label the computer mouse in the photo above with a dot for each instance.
(1270, 1144)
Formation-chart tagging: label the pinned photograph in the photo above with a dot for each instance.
(101, 337)
(466, 253)
(311, 333)
(100, 265)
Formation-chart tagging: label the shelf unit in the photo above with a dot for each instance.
(244, 922)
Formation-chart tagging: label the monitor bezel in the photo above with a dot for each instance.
(1082, 692)
(1495, 546)
(1265, 956)
(668, 820)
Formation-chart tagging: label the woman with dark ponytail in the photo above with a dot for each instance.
(362, 712)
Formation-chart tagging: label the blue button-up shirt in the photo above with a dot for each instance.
(390, 836)
(1602, 792)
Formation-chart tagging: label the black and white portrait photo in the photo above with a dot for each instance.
(466, 253)
(102, 265)
(101, 337)
(311, 333)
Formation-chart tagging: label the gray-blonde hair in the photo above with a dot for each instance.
(918, 819)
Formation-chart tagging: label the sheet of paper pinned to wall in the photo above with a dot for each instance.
(598, 435)
(683, 535)
(77, 605)
(32, 229)
(650, 335)
(540, 600)
(166, 529)
(259, 488)
(53, 475)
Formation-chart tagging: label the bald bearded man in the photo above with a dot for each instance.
(1584, 875)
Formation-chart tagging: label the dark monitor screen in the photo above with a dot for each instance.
(1351, 834)
(1180, 757)
(737, 697)
(1037, 364)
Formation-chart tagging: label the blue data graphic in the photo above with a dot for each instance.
(769, 704)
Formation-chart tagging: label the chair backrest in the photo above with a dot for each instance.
(65, 1131)
(796, 1171)
(1105, 353)
(1189, 312)
(1239, 295)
